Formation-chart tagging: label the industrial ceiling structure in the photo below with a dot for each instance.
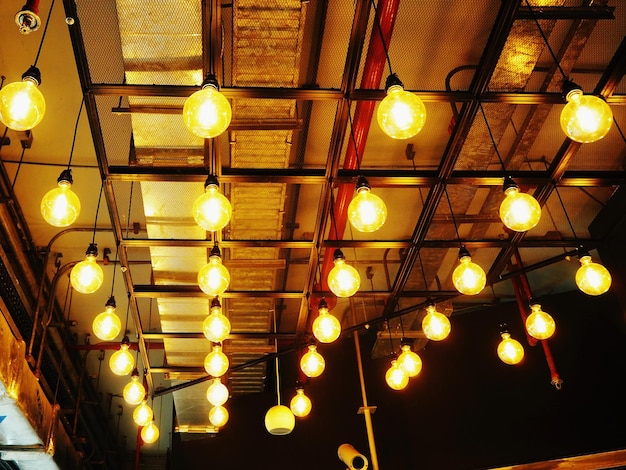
(304, 79)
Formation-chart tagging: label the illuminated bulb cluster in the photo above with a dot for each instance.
(592, 278)
(312, 363)
(134, 392)
(300, 404)
(468, 278)
(326, 327)
(214, 277)
(435, 325)
(401, 114)
(212, 210)
(87, 276)
(343, 279)
(367, 212)
(216, 362)
(518, 211)
(143, 414)
(510, 351)
(22, 105)
(279, 420)
(150, 433)
(207, 113)
(409, 361)
(216, 326)
(585, 118)
(396, 377)
(60, 206)
(107, 325)
(122, 361)
(539, 324)
(218, 416)
(217, 393)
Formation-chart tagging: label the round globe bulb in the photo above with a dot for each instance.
(409, 361)
(150, 433)
(519, 211)
(107, 325)
(216, 327)
(300, 404)
(539, 324)
(592, 278)
(22, 105)
(143, 414)
(212, 210)
(312, 363)
(343, 279)
(217, 393)
(510, 351)
(122, 361)
(279, 420)
(214, 277)
(367, 212)
(207, 113)
(87, 276)
(396, 378)
(468, 278)
(134, 391)
(326, 327)
(586, 118)
(218, 416)
(435, 325)
(401, 114)
(60, 206)
(216, 362)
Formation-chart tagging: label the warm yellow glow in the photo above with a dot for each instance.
(207, 112)
(409, 361)
(107, 325)
(326, 327)
(468, 278)
(134, 391)
(519, 211)
(216, 327)
(586, 118)
(312, 363)
(218, 416)
(143, 414)
(216, 362)
(214, 277)
(510, 351)
(122, 361)
(217, 393)
(87, 276)
(539, 324)
(367, 212)
(396, 378)
(300, 404)
(22, 105)
(592, 278)
(212, 210)
(401, 115)
(150, 433)
(279, 420)
(435, 325)
(343, 279)
(60, 206)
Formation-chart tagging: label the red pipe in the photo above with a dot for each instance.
(32, 5)
(138, 447)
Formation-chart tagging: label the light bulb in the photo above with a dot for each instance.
(409, 361)
(401, 115)
(367, 212)
(343, 279)
(212, 210)
(207, 112)
(312, 363)
(122, 361)
(218, 416)
(510, 351)
(468, 278)
(216, 362)
(396, 378)
(87, 276)
(592, 278)
(143, 414)
(134, 391)
(279, 420)
(300, 404)
(22, 105)
(217, 393)
(539, 324)
(213, 277)
(107, 325)
(150, 433)
(435, 325)
(216, 327)
(326, 327)
(518, 211)
(60, 206)
(585, 118)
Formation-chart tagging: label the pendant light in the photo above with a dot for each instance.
(216, 326)
(122, 361)
(107, 325)
(326, 327)
(396, 377)
(214, 277)
(207, 113)
(343, 279)
(312, 363)
(592, 278)
(134, 391)
(216, 362)
(150, 433)
(60, 206)
(300, 404)
(212, 210)
(409, 361)
(367, 212)
(143, 414)
(218, 416)
(435, 325)
(539, 324)
(217, 393)
(510, 351)
(87, 276)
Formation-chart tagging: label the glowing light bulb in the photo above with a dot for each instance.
(510, 351)
(300, 404)
(468, 278)
(216, 362)
(216, 327)
(60, 206)
(592, 278)
(518, 211)
(401, 115)
(279, 420)
(367, 212)
(212, 210)
(134, 391)
(207, 112)
(436, 325)
(143, 414)
(22, 105)
(343, 279)
(396, 378)
(107, 325)
(214, 277)
(218, 416)
(217, 393)
(312, 363)
(87, 276)
(539, 324)
(409, 361)
(150, 433)
(585, 118)
(326, 327)
(122, 361)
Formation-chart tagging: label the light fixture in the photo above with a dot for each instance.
(435, 325)
(212, 210)
(107, 325)
(143, 414)
(279, 420)
(367, 212)
(585, 118)
(22, 105)
(216, 326)
(134, 391)
(326, 327)
(218, 416)
(216, 362)
(207, 113)
(396, 377)
(150, 433)
(217, 393)
(518, 211)
(343, 279)
(468, 277)
(27, 19)
(213, 277)
(510, 351)
(312, 363)
(592, 278)
(300, 404)
(401, 114)
(539, 324)
(60, 206)
(122, 361)
(87, 276)
(409, 361)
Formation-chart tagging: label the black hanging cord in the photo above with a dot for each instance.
(95, 224)
(419, 255)
(211, 68)
(558, 194)
(619, 129)
(493, 140)
(545, 39)
(19, 165)
(380, 32)
(130, 205)
(117, 247)
(356, 150)
(445, 190)
(43, 35)
(332, 213)
(80, 111)
(393, 351)
(127, 311)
